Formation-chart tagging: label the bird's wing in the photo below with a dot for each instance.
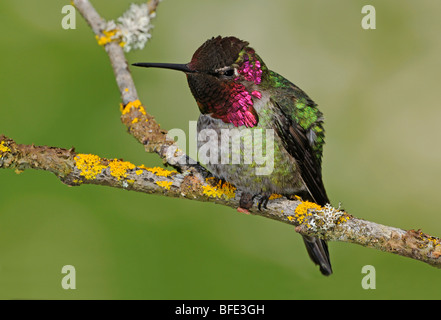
(298, 123)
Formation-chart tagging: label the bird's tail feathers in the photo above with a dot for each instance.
(318, 252)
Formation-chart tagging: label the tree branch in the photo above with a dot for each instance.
(310, 219)
(139, 123)
(192, 181)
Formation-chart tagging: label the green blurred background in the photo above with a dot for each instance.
(377, 88)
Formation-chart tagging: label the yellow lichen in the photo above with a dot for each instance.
(212, 191)
(139, 172)
(301, 212)
(142, 110)
(89, 165)
(220, 190)
(106, 38)
(429, 239)
(343, 218)
(132, 104)
(164, 184)
(135, 120)
(275, 196)
(160, 172)
(119, 168)
(4, 148)
(229, 190)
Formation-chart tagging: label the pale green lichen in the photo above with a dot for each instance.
(318, 218)
(132, 29)
(328, 217)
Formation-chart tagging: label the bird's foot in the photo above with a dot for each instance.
(263, 201)
(245, 203)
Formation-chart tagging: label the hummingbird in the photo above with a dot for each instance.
(234, 89)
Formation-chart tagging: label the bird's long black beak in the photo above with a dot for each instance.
(173, 66)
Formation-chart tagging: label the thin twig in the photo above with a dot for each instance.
(139, 123)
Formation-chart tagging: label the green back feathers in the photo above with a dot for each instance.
(297, 105)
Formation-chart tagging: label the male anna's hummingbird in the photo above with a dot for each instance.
(235, 90)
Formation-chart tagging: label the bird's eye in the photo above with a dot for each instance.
(225, 72)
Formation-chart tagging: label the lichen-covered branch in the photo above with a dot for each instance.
(345, 228)
(308, 218)
(192, 181)
(75, 169)
(139, 122)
